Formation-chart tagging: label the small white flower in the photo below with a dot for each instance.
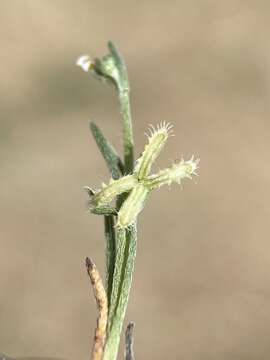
(84, 62)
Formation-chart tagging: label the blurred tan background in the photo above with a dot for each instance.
(201, 288)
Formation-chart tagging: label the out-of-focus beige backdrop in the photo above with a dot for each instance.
(201, 287)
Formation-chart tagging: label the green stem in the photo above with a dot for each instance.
(120, 259)
(125, 257)
(110, 254)
(118, 273)
(126, 240)
(127, 130)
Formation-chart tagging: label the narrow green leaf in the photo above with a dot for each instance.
(116, 169)
(109, 154)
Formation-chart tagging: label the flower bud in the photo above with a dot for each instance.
(110, 68)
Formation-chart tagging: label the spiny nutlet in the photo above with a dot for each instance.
(107, 193)
(176, 173)
(156, 141)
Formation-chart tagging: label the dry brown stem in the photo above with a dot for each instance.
(102, 304)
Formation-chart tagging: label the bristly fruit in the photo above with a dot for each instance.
(176, 173)
(156, 141)
(132, 206)
(109, 192)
